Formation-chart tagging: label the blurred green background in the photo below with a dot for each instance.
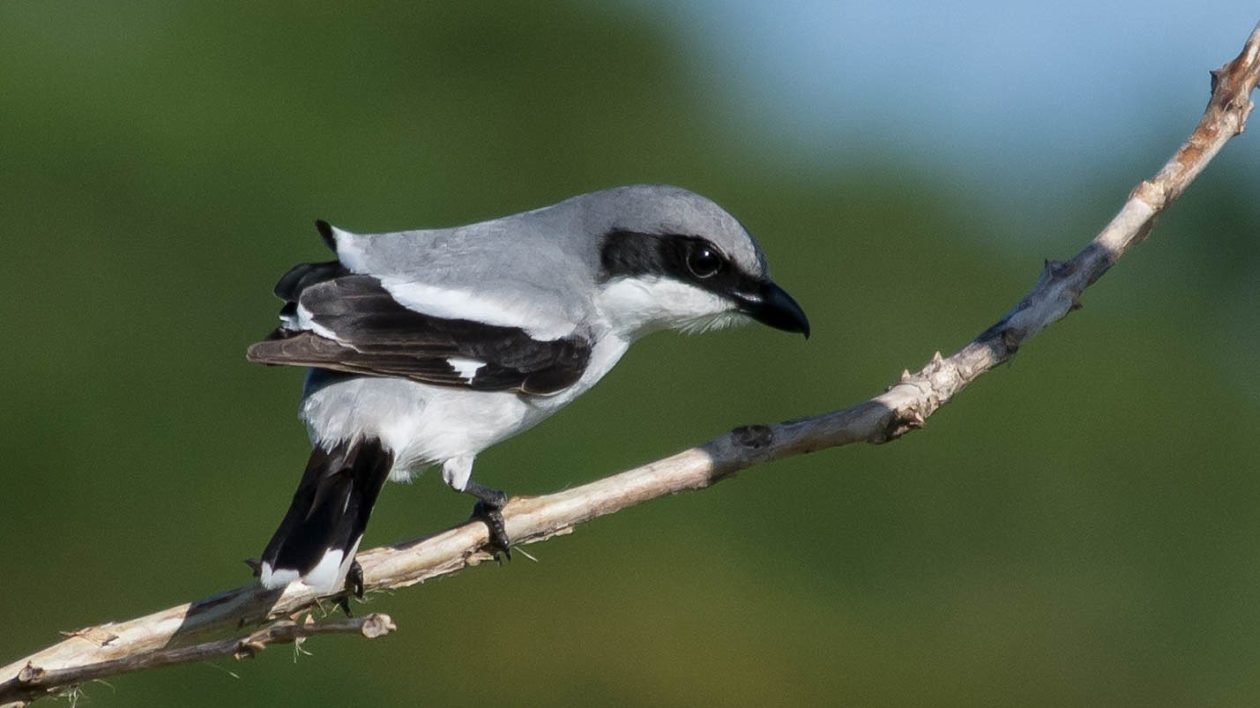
(1078, 528)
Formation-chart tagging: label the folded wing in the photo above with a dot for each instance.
(337, 320)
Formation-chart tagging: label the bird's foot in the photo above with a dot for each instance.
(492, 517)
(354, 586)
(489, 510)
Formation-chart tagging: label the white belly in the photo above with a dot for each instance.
(424, 424)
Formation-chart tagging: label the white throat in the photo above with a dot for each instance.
(635, 306)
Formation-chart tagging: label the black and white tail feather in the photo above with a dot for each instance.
(321, 531)
(320, 534)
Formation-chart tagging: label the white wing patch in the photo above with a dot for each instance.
(459, 304)
(305, 321)
(466, 368)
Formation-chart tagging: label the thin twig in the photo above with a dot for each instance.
(119, 647)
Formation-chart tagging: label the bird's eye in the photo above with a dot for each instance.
(704, 261)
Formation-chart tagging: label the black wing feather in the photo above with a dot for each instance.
(304, 275)
(378, 336)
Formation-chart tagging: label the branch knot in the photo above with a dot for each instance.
(753, 437)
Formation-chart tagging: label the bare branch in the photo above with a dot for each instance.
(119, 647)
(34, 681)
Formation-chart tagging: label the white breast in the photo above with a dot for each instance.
(425, 424)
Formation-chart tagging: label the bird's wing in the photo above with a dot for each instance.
(352, 322)
(512, 272)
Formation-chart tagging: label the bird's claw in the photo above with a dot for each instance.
(491, 515)
(354, 586)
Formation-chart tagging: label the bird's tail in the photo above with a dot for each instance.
(318, 538)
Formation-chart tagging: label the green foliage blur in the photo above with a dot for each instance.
(1079, 528)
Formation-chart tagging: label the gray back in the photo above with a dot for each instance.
(546, 259)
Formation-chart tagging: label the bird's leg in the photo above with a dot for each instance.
(488, 510)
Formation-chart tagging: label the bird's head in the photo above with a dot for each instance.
(670, 258)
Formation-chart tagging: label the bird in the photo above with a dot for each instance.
(425, 347)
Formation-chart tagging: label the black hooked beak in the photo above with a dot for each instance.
(770, 305)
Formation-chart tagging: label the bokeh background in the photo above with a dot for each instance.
(1081, 527)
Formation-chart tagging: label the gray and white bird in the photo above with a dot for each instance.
(426, 347)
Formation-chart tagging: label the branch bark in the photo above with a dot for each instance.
(37, 679)
(179, 634)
